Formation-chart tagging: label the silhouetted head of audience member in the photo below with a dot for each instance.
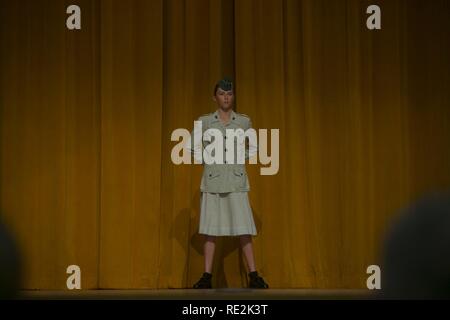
(9, 265)
(416, 259)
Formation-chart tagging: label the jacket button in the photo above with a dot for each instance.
(225, 149)
(225, 161)
(210, 174)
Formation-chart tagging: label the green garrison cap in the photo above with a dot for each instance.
(225, 84)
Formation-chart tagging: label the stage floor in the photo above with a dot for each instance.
(211, 294)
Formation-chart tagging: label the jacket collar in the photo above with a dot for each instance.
(233, 116)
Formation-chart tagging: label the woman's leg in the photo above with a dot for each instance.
(256, 281)
(247, 248)
(208, 251)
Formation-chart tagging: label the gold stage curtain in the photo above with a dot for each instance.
(50, 139)
(87, 117)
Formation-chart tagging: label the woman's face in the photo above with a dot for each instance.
(224, 99)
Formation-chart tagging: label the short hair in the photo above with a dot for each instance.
(10, 265)
(416, 258)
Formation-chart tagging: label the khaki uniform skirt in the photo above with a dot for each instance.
(226, 214)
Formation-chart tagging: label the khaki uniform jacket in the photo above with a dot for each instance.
(224, 177)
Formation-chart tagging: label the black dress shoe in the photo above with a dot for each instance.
(204, 282)
(256, 281)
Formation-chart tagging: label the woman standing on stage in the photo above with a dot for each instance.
(225, 208)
